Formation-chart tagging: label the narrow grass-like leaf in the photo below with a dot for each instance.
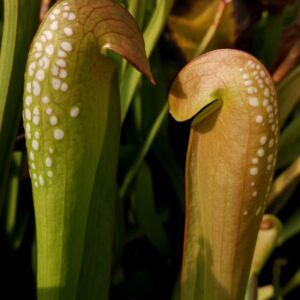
(148, 217)
(289, 144)
(288, 94)
(285, 179)
(20, 22)
(151, 35)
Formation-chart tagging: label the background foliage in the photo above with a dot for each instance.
(150, 212)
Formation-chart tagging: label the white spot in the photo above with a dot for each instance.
(56, 11)
(254, 194)
(49, 111)
(36, 184)
(36, 120)
(245, 212)
(28, 128)
(252, 183)
(61, 63)
(38, 47)
(40, 75)
(37, 135)
(241, 70)
(31, 68)
(254, 171)
(58, 134)
(48, 34)
(251, 90)
(259, 119)
(31, 155)
(267, 92)
(61, 53)
(68, 31)
(34, 176)
(269, 108)
(253, 101)
(45, 100)
(72, 16)
(267, 80)
(56, 84)
(248, 82)
(67, 46)
(63, 73)
(270, 157)
(28, 114)
(271, 143)
(54, 70)
(28, 100)
(35, 145)
(49, 49)
(53, 120)
(263, 140)
(255, 160)
(44, 62)
(262, 73)
(33, 166)
(245, 76)
(48, 162)
(36, 88)
(43, 38)
(260, 152)
(36, 111)
(74, 112)
(54, 26)
(28, 87)
(52, 17)
(41, 180)
(50, 174)
(64, 87)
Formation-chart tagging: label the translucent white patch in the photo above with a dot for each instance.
(54, 25)
(56, 83)
(48, 162)
(74, 112)
(28, 100)
(40, 75)
(66, 46)
(259, 119)
(58, 134)
(35, 145)
(36, 88)
(68, 31)
(45, 100)
(253, 101)
(61, 63)
(49, 49)
(260, 152)
(253, 171)
(64, 87)
(263, 140)
(53, 120)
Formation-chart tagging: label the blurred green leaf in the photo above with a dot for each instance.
(152, 33)
(289, 144)
(21, 18)
(150, 220)
(288, 94)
